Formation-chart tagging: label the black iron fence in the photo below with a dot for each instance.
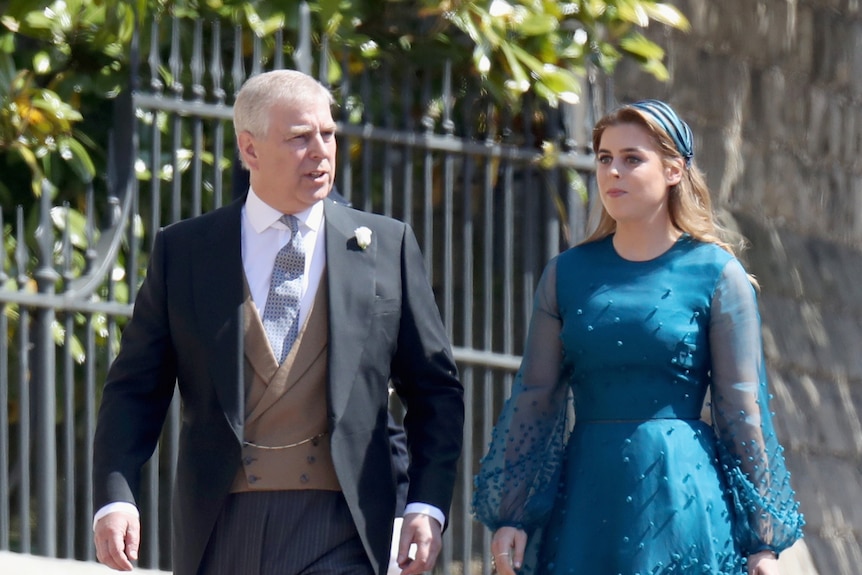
(491, 194)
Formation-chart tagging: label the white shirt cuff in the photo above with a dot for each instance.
(116, 506)
(426, 509)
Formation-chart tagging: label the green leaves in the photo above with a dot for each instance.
(35, 123)
(544, 46)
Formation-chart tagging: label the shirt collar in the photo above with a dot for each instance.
(262, 216)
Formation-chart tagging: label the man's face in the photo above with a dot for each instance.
(293, 164)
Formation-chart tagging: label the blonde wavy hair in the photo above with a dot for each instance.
(689, 201)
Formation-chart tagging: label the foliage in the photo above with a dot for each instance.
(35, 123)
(515, 46)
(60, 61)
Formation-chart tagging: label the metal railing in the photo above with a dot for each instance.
(492, 196)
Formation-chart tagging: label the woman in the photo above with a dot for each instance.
(637, 323)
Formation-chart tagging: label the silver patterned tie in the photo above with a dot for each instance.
(281, 312)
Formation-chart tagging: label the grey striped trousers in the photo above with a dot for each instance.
(307, 532)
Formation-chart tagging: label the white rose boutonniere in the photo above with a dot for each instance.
(363, 237)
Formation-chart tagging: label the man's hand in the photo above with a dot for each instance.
(426, 533)
(507, 550)
(117, 536)
(763, 563)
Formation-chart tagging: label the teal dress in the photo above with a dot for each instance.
(601, 453)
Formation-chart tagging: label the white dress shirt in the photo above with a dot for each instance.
(263, 235)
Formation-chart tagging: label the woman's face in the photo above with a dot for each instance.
(633, 176)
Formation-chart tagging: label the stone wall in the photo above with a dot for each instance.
(773, 92)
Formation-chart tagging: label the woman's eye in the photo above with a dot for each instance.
(604, 159)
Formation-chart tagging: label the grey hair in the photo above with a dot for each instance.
(260, 92)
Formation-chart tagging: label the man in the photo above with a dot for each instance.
(285, 462)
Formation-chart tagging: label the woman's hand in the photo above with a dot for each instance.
(507, 548)
(763, 563)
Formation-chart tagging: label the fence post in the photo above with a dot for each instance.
(43, 385)
(4, 402)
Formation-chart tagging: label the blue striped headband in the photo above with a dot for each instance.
(672, 124)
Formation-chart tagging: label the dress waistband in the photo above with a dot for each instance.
(638, 420)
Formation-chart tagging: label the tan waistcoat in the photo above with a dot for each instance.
(286, 440)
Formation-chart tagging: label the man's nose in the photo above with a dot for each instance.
(316, 145)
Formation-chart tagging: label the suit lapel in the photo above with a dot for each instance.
(218, 277)
(350, 276)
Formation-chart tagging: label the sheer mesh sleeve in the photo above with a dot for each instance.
(519, 476)
(765, 507)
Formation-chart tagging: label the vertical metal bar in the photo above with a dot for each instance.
(256, 58)
(238, 67)
(176, 65)
(428, 181)
(302, 55)
(367, 145)
(154, 60)
(89, 399)
(323, 68)
(554, 216)
(157, 87)
(409, 126)
(198, 92)
(4, 400)
(278, 50)
(532, 196)
(448, 202)
(150, 549)
(218, 160)
(89, 431)
(43, 382)
(508, 267)
(21, 257)
(90, 254)
(171, 443)
(389, 123)
(488, 395)
(237, 75)
(447, 248)
(218, 129)
(345, 183)
(467, 372)
(67, 472)
(133, 234)
(152, 545)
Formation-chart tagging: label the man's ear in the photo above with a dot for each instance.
(673, 173)
(245, 142)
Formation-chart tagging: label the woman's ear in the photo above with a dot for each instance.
(673, 173)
